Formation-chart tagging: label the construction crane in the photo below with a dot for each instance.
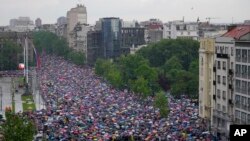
(209, 18)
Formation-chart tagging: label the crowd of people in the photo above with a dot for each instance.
(81, 106)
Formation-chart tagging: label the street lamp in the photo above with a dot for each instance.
(26, 66)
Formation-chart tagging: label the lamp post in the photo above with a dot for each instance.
(26, 66)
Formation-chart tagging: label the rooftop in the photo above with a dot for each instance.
(238, 32)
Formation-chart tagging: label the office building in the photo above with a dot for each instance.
(111, 37)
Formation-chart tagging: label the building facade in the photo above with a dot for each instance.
(241, 35)
(222, 112)
(153, 30)
(61, 21)
(229, 96)
(132, 36)
(206, 61)
(111, 37)
(181, 29)
(22, 24)
(94, 45)
(79, 38)
(77, 15)
(38, 22)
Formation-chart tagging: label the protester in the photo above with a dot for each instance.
(81, 106)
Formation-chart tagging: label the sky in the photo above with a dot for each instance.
(220, 11)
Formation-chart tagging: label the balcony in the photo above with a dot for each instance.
(230, 101)
(214, 69)
(230, 86)
(214, 82)
(214, 97)
(225, 56)
(230, 71)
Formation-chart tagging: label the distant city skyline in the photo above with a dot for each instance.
(221, 11)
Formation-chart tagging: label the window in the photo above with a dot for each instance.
(224, 80)
(218, 93)
(238, 84)
(243, 103)
(244, 71)
(244, 87)
(232, 51)
(248, 88)
(248, 56)
(224, 95)
(238, 55)
(221, 49)
(224, 109)
(226, 50)
(248, 104)
(248, 73)
(237, 101)
(237, 116)
(218, 79)
(218, 64)
(248, 119)
(218, 107)
(243, 118)
(238, 70)
(224, 67)
(244, 55)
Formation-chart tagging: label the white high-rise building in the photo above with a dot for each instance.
(21, 24)
(77, 15)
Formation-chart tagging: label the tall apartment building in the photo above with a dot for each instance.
(77, 15)
(241, 35)
(206, 61)
(222, 111)
(231, 81)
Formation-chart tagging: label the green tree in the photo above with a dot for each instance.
(193, 82)
(9, 56)
(114, 77)
(77, 58)
(161, 102)
(174, 61)
(140, 86)
(102, 67)
(52, 44)
(17, 128)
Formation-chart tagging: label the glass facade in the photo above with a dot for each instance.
(111, 36)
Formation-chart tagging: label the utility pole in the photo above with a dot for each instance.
(26, 66)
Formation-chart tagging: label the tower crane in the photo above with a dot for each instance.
(209, 18)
